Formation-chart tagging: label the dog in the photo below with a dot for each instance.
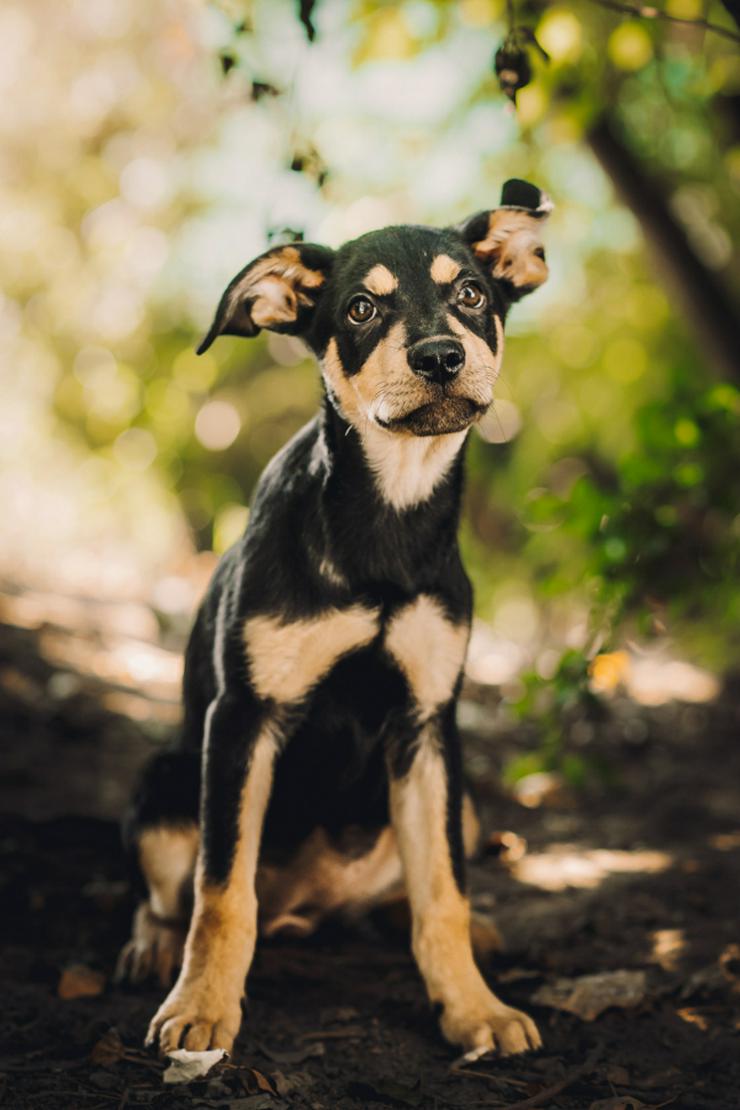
(319, 768)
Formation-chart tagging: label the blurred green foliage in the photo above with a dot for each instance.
(152, 160)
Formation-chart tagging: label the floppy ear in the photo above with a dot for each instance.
(279, 291)
(508, 239)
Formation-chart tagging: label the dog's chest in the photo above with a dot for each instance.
(287, 660)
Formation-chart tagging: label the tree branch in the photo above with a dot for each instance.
(647, 11)
(702, 296)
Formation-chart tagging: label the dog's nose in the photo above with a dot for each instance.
(437, 360)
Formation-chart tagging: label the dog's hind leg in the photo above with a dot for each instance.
(162, 839)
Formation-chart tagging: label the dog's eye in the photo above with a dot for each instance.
(361, 310)
(470, 295)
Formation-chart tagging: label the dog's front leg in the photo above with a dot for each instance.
(203, 1009)
(426, 816)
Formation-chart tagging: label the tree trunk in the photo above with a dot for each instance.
(701, 295)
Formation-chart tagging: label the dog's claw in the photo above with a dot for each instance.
(191, 1017)
(499, 1029)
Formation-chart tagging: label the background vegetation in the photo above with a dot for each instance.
(153, 150)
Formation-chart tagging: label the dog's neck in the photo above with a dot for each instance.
(404, 470)
(386, 522)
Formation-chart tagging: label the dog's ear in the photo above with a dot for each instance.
(508, 239)
(278, 291)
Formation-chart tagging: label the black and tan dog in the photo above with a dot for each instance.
(320, 768)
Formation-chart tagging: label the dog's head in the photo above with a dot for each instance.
(407, 322)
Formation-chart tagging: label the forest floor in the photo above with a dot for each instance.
(640, 877)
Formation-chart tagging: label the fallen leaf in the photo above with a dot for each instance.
(78, 981)
(186, 1066)
(589, 995)
(108, 1050)
(262, 1081)
(694, 1017)
(296, 1081)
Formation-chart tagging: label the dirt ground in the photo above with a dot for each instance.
(640, 875)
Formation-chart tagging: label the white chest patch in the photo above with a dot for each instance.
(407, 468)
(429, 649)
(287, 659)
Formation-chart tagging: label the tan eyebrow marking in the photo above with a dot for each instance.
(381, 281)
(444, 269)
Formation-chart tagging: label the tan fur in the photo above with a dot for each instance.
(482, 366)
(275, 285)
(407, 468)
(222, 934)
(472, 1015)
(167, 860)
(380, 281)
(322, 879)
(287, 659)
(386, 371)
(444, 269)
(509, 245)
(155, 948)
(429, 649)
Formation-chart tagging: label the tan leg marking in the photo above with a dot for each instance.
(287, 659)
(167, 860)
(444, 269)
(380, 281)
(472, 1016)
(430, 650)
(205, 1003)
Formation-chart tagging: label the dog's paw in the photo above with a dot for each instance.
(493, 1027)
(155, 948)
(197, 1016)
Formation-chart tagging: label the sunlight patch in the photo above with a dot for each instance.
(563, 866)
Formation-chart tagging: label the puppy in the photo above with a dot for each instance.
(319, 768)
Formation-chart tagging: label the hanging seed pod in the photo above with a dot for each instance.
(512, 66)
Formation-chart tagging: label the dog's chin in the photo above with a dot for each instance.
(437, 418)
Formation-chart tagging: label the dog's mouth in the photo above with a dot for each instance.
(438, 417)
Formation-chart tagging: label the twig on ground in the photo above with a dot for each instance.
(546, 1092)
